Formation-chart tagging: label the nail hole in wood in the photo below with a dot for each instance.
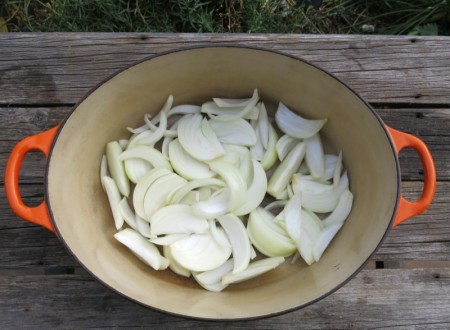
(417, 96)
(379, 264)
(436, 275)
(419, 115)
(413, 40)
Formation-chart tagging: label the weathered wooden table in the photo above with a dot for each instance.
(406, 79)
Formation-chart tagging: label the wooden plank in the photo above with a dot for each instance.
(26, 246)
(407, 298)
(430, 125)
(61, 68)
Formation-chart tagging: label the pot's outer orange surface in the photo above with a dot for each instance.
(79, 211)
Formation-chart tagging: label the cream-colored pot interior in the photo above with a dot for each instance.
(83, 219)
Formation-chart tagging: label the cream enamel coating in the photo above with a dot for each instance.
(83, 218)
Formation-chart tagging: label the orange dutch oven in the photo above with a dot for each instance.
(77, 211)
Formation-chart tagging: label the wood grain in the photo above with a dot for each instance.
(407, 79)
(61, 68)
(417, 298)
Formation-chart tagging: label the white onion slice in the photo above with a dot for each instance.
(324, 240)
(270, 155)
(115, 166)
(255, 192)
(165, 108)
(114, 200)
(315, 158)
(227, 116)
(200, 252)
(254, 269)
(186, 165)
(142, 186)
(266, 237)
(136, 168)
(184, 109)
(296, 126)
(234, 180)
(142, 248)
(127, 213)
(177, 195)
(237, 131)
(293, 218)
(342, 210)
(284, 145)
(212, 279)
(230, 103)
(156, 194)
(212, 109)
(240, 243)
(143, 227)
(149, 137)
(168, 239)
(174, 265)
(103, 170)
(177, 219)
(282, 175)
(149, 154)
(198, 139)
(216, 205)
(325, 201)
(306, 183)
(330, 166)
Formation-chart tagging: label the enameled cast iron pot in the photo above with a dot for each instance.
(77, 210)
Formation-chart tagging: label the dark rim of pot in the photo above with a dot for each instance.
(369, 107)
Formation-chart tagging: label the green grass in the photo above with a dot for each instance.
(220, 16)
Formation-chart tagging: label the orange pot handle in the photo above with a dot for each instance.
(407, 209)
(38, 214)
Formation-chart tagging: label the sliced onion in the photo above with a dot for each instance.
(257, 150)
(142, 248)
(282, 175)
(149, 137)
(174, 265)
(342, 210)
(293, 218)
(330, 166)
(212, 279)
(143, 227)
(156, 195)
(262, 125)
(325, 201)
(237, 131)
(115, 166)
(217, 234)
(296, 126)
(177, 195)
(254, 269)
(213, 110)
(177, 219)
(136, 168)
(198, 139)
(270, 155)
(165, 108)
(216, 205)
(127, 213)
(142, 186)
(315, 158)
(103, 170)
(114, 200)
(234, 180)
(200, 252)
(255, 192)
(184, 109)
(149, 154)
(303, 183)
(240, 243)
(266, 237)
(285, 144)
(227, 115)
(324, 239)
(167, 239)
(185, 165)
(230, 103)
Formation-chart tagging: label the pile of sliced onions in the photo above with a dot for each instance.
(186, 190)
